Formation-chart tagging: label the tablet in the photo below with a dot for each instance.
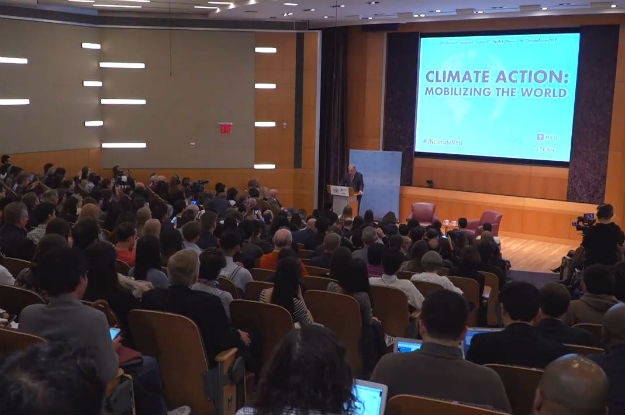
(403, 345)
(370, 397)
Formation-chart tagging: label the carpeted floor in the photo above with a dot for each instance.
(538, 279)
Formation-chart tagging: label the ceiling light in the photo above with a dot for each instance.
(262, 49)
(121, 6)
(86, 45)
(544, 8)
(124, 145)
(96, 84)
(208, 7)
(613, 6)
(251, 2)
(264, 86)
(437, 10)
(222, 3)
(18, 61)
(309, 10)
(373, 2)
(326, 17)
(136, 1)
(13, 101)
(290, 4)
(265, 124)
(122, 101)
(82, 1)
(479, 12)
(98, 123)
(123, 65)
(264, 166)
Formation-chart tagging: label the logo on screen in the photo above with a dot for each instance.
(540, 137)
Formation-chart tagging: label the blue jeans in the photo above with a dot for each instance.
(148, 387)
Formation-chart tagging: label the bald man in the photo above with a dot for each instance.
(353, 178)
(572, 384)
(613, 362)
(282, 239)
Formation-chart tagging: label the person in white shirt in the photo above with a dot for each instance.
(231, 245)
(391, 262)
(431, 261)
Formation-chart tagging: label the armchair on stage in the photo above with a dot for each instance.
(489, 216)
(424, 212)
(341, 196)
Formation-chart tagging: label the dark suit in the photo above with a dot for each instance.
(300, 237)
(357, 183)
(203, 308)
(613, 364)
(556, 330)
(15, 244)
(518, 344)
(322, 260)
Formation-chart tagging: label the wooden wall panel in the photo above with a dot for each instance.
(72, 160)
(548, 220)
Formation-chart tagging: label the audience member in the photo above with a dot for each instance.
(125, 239)
(489, 254)
(152, 227)
(237, 274)
(171, 242)
(316, 239)
(287, 291)
(598, 283)
(13, 240)
(307, 374)
(143, 215)
(50, 378)
(431, 262)
(148, 262)
(300, 236)
(438, 369)
(208, 224)
(212, 260)
(469, 266)
(603, 241)
(619, 281)
(554, 301)
(42, 215)
(191, 235)
(369, 237)
(331, 243)
(572, 385)
(375, 253)
(413, 263)
(519, 343)
(391, 262)
(282, 239)
(613, 361)
(59, 226)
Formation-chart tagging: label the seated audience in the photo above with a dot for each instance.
(469, 266)
(416, 252)
(152, 227)
(431, 263)
(250, 252)
(489, 254)
(148, 262)
(339, 265)
(171, 242)
(369, 237)
(208, 224)
(375, 253)
(61, 272)
(316, 239)
(125, 237)
(307, 374)
(300, 236)
(203, 308)
(554, 301)
(331, 243)
(237, 274)
(50, 378)
(26, 277)
(191, 235)
(59, 226)
(143, 215)
(42, 215)
(598, 284)
(13, 240)
(391, 262)
(613, 361)
(282, 239)
(287, 291)
(438, 370)
(212, 260)
(572, 385)
(519, 343)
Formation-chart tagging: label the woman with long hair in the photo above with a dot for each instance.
(307, 374)
(148, 262)
(287, 290)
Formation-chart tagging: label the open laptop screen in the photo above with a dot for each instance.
(403, 345)
(472, 331)
(370, 397)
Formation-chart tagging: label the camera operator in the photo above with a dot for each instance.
(603, 242)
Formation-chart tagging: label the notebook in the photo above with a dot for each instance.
(370, 397)
(472, 331)
(402, 345)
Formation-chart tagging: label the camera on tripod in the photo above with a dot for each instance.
(584, 222)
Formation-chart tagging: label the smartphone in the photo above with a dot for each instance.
(194, 202)
(114, 331)
(174, 220)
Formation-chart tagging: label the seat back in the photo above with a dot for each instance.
(390, 305)
(426, 288)
(271, 322)
(305, 253)
(175, 341)
(341, 314)
(12, 341)
(444, 271)
(494, 218)
(584, 350)
(227, 285)
(15, 265)
(424, 212)
(412, 404)
(316, 271)
(104, 307)
(492, 315)
(253, 289)
(14, 299)
(520, 384)
(595, 329)
(262, 274)
(317, 283)
(121, 267)
(405, 275)
(471, 291)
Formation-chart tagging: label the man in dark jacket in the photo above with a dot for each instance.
(13, 240)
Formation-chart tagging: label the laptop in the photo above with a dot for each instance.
(472, 331)
(402, 345)
(370, 397)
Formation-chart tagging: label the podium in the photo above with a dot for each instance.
(341, 196)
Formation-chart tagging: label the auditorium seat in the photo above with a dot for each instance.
(391, 307)
(471, 291)
(14, 265)
(417, 405)
(595, 329)
(317, 283)
(14, 299)
(520, 384)
(489, 216)
(121, 267)
(12, 341)
(227, 285)
(262, 274)
(426, 288)
(584, 350)
(253, 289)
(492, 315)
(316, 271)
(424, 212)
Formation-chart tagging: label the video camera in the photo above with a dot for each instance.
(584, 222)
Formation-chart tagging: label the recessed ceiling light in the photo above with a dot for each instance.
(265, 49)
(121, 6)
(285, 14)
(373, 2)
(222, 3)
(251, 2)
(82, 1)
(87, 45)
(17, 61)
(15, 101)
(309, 10)
(613, 6)
(437, 10)
(123, 65)
(207, 7)
(291, 4)
(264, 86)
(266, 124)
(136, 1)
(96, 84)
(95, 123)
(122, 101)
(124, 145)
(544, 8)
(479, 12)
(326, 17)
